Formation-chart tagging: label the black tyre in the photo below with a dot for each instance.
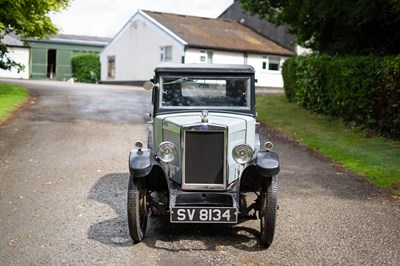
(137, 209)
(268, 210)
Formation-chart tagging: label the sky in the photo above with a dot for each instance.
(104, 18)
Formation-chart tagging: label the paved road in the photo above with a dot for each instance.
(63, 181)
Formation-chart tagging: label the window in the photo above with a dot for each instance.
(194, 91)
(206, 57)
(203, 56)
(166, 54)
(111, 66)
(271, 63)
(209, 57)
(264, 65)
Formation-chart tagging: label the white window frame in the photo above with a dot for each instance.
(166, 53)
(206, 57)
(111, 67)
(267, 62)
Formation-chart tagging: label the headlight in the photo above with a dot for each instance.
(242, 153)
(166, 152)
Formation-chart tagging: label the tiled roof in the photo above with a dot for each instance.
(81, 38)
(12, 40)
(217, 34)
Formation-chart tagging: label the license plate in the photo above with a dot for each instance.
(203, 215)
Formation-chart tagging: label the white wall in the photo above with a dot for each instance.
(303, 51)
(219, 57)
(19, 55)
(137, 50)
(266, 78)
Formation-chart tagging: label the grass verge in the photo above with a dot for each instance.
(376, 158)
(11, 97)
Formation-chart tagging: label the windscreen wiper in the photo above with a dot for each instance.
(180, 80)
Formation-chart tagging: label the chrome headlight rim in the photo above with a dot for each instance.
(268, 145)
(242, 153)
(139, 145)
(167, 151)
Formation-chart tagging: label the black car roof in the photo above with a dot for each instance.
(205, 68)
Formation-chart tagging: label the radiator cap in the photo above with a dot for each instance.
(204, 118)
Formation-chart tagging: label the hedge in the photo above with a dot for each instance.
(86, 67)
(360, 89)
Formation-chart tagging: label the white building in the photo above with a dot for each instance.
(152, 38)
(20, 54)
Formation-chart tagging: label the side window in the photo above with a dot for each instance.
(271, 63)
(206, 57)
(203, 56)
(209, 57)
(111, 66)
(264, 65)
(166, 54)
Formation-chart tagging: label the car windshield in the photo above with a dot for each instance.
(194, 92)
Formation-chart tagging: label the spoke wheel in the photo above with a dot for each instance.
(268, 209)
(137, 208)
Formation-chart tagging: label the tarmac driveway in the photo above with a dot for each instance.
(63, 185)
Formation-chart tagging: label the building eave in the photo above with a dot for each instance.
(239, 50)
(162, 27)
(73, 42)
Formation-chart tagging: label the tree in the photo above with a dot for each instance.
(28, 19)
(336, 27)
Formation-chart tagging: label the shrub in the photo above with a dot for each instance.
(86, 67)
(387, 106)
(360, 89)
(289, 75)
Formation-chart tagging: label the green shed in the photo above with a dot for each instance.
(51, 58)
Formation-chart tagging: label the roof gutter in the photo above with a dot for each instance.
(238, 50)
(66, 41)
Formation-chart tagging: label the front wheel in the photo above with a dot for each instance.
(137, 208)
(268, 207)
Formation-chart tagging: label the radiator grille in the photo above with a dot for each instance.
(204, 158)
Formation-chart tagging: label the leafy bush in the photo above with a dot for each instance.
(360, 89)
(311, 82)
(86, 67)
(387, 106)
(289, 76)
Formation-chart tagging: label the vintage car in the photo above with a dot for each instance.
(203, 154)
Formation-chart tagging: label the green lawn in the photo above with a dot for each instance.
(376, 158)
(11, 96)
